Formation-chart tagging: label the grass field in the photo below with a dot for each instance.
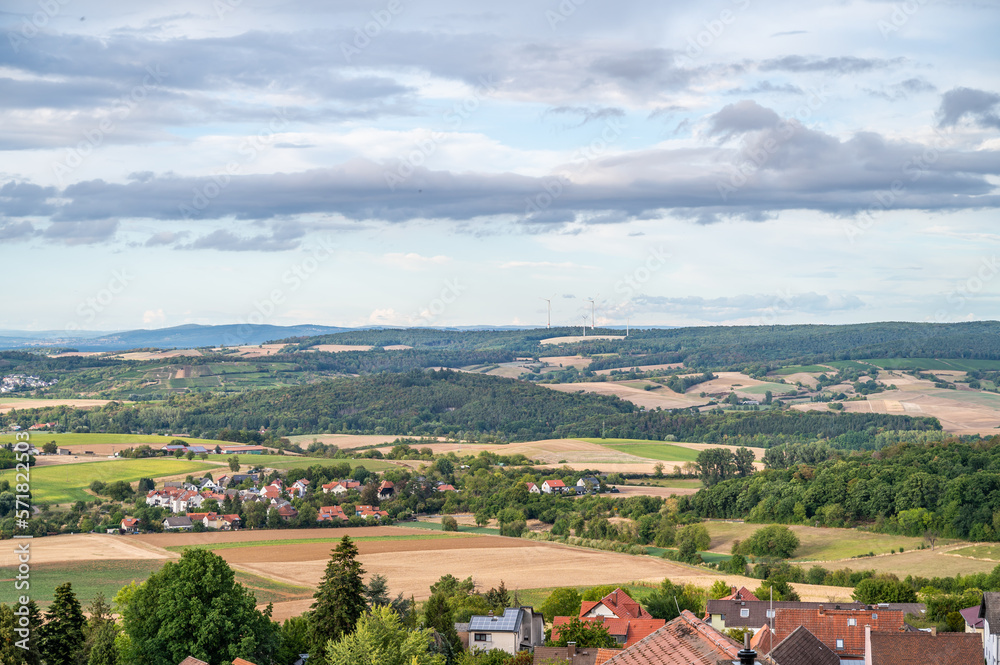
(816, 544)
(796, 369)
(462, 528)
(679, 483)
(71, 440)
(849, 364)
(88, 577)
(332, 540)
(648, 449)
(960, 364)
(980, 552)
(66, 482)
(775, 388)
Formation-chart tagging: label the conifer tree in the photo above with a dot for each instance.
(61, 638)
(340, 599)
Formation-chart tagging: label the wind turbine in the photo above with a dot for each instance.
(548, 319)
(593, 315)
(584, 326)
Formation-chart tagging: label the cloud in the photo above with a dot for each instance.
(413, 261)
(588, 114)
(979, 105)
(226, 241)
(765, 87)
(837, 65)
(742, 117)
(903, 89)
(82, 233)
(566, 265)
(154, 317)
(14, 231)
(790, 32)
(165, 238)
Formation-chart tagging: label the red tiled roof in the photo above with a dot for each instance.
(191, 660)
(604, 655)
(763, 641)
(742, 593)
(620, 604)
(922, 648)
(197, 517)
(632, 629)
(555, 483)
(684, 641)
(832, 625)
(240, 661)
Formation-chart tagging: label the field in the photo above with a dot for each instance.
(343, 441)
(991, 552)
(648, 449)
(10, 403)
(666, 399)
(296, 462)
(70, 440)
(775, 388)
(68, 482)
(284, 566)
(802, 369)
(88, 577)
(935, 363)
(817, 544)
(573, 339)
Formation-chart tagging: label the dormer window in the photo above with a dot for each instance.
(852, 622)
(744, 612)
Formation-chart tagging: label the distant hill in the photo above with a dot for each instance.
(179, 337)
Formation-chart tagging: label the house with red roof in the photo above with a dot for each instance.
(742, 593)
(370, 511)
(331, 513)
(386, 490)
(683, 641)
(623, 617)
(841, 630)
(553, 486)
(130, 525)
(533, 488)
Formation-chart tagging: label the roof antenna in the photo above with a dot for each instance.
(677, 606)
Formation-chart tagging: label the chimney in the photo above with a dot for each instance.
(934, 631)
(821, 611)
(747, 655)
(570, 650)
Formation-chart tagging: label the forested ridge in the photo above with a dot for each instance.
(713, 346)
(950, 486)
(442, 403)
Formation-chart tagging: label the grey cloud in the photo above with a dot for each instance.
(837, 65)
(82, 233)
(979, 105)
(588, 114)
(768, 87)
(23, 199)
(903, 89)
(742, 117)
(227, 241)
(785, 165)
(165, 238)
(14, 231)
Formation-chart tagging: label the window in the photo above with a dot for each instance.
(744, 612)
(840, 644)
(874, 616)
(770, 614)
(483, 637)
(852, 622)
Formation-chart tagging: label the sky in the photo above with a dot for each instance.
(439, 163)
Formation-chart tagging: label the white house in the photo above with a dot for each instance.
(519, 628)
(533, 488)
(556, 485)
(989, 612)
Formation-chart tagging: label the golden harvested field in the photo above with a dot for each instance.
(339, 348)
(343, 441)
(6, 404)
(161, 540)
(562, 362)
(520, 564)
(160, 355)
(664, 397)
(83, 547)
(960, 412)
(650, 490)
(808, 380)
(641, 368)
(924, 563)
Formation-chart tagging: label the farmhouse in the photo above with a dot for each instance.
(518, 628)
(386, 490)
(533, 488)
(237, 449)
(130, 525)
(550, 486)
(341, 487)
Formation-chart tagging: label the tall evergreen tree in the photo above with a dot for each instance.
(61, 638)
(438, 615)
(103, 650)
(340, 599)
